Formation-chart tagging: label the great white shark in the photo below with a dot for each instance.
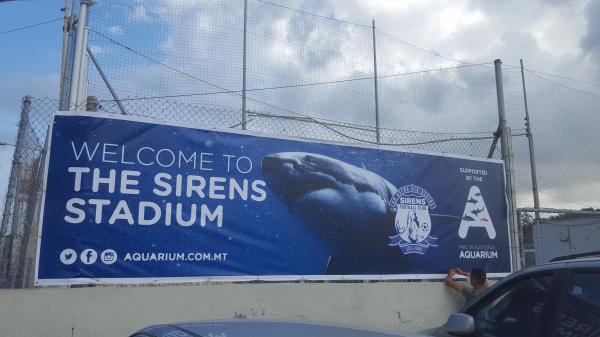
(345, 206)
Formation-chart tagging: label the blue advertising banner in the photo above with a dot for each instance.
(134, 200)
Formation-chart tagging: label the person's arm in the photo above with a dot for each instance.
(451, 283)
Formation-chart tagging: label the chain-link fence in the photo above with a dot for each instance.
(314, 77)
(306, 75)
(18, 233)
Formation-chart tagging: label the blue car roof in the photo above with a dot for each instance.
(261, 328)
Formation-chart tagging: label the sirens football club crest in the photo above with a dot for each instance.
(413, 223)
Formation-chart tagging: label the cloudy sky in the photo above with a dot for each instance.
(202, 38)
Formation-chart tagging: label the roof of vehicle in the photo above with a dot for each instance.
(589, 259)
(592, 254)
(261, 328)
(575, 262)
(588, 262)
(583, 260)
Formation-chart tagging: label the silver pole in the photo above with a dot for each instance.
(377, 131)
(63, 63)
(244, 113)
(105, 79)
(79, 55)
(494, 143)
(507, 158)
(515, 227)
(536, 195)
(82, 94)
(69, 61)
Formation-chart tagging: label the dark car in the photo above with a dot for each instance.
(250, 328)
(556, 299)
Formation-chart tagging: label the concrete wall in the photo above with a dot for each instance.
(109, 311)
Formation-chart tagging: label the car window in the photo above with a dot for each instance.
(580, 311)
(515, 311)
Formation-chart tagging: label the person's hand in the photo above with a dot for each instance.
(450, 282)
(459, 271)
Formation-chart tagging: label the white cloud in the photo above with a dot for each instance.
(96, 49)
(115, 30)
(139, 14)
(454, 18)
(390, 6)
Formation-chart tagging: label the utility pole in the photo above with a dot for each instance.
(63, 64)
(79, 71)
(506, 142)
(534, 185)
(536, 195)
(244, 113)
(377, 130)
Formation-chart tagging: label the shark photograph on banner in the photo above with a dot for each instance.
(136, 200)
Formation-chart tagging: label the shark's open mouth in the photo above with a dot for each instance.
(294, 176)
(301, 180)
(317, 182)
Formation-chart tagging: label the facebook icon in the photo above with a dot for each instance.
(89, 256)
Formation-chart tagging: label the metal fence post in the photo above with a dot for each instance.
(506, 143)
(34, 182)
(78, 72)
(65, 80)
(66, 37)
(11, 215)
(520, 233)
(106, 82)
(91, 104)
(244, 113)
(377, 131)
(534, 185)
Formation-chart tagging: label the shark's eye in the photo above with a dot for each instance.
(315, 162)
